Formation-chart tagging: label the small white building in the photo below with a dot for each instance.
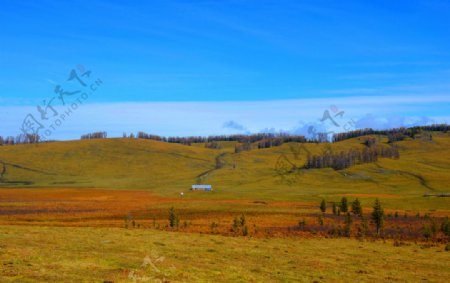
(207, 188)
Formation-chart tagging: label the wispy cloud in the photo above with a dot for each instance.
(233, 125)
(378, 122)
(185, 118)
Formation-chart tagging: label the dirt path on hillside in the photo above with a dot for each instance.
(220, 163)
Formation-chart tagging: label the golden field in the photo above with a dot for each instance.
(94, 210)
(52, 254)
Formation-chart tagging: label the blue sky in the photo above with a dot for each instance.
(222, 59)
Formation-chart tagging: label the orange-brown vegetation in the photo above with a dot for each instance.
(144, 210)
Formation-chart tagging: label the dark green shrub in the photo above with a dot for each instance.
(344, 204)
(323, 206)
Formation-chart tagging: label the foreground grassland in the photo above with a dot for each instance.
(62, 254)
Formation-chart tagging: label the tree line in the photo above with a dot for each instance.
(266, 139)
(95, 135)
(345, 159)
(277, 141)
(20, 139)
(263, 140)
(393, 135)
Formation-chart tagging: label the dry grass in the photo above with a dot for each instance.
(103, 185)
(40, 254)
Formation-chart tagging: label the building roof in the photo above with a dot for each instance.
(201, 186)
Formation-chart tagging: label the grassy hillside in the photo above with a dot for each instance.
(71, 232)
(106, 163)
(167, 169)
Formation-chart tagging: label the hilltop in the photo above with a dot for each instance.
(275, 173)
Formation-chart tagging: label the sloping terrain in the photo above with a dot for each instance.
(167, 169)
(115, 163)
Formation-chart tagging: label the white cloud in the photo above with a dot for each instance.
(208, 118)
(374, 122)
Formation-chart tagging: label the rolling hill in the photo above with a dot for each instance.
(167, 169)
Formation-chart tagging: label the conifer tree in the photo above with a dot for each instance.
(378, 216)
(356, 207)
(173, 218)
(344, 204)
(323, 206)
